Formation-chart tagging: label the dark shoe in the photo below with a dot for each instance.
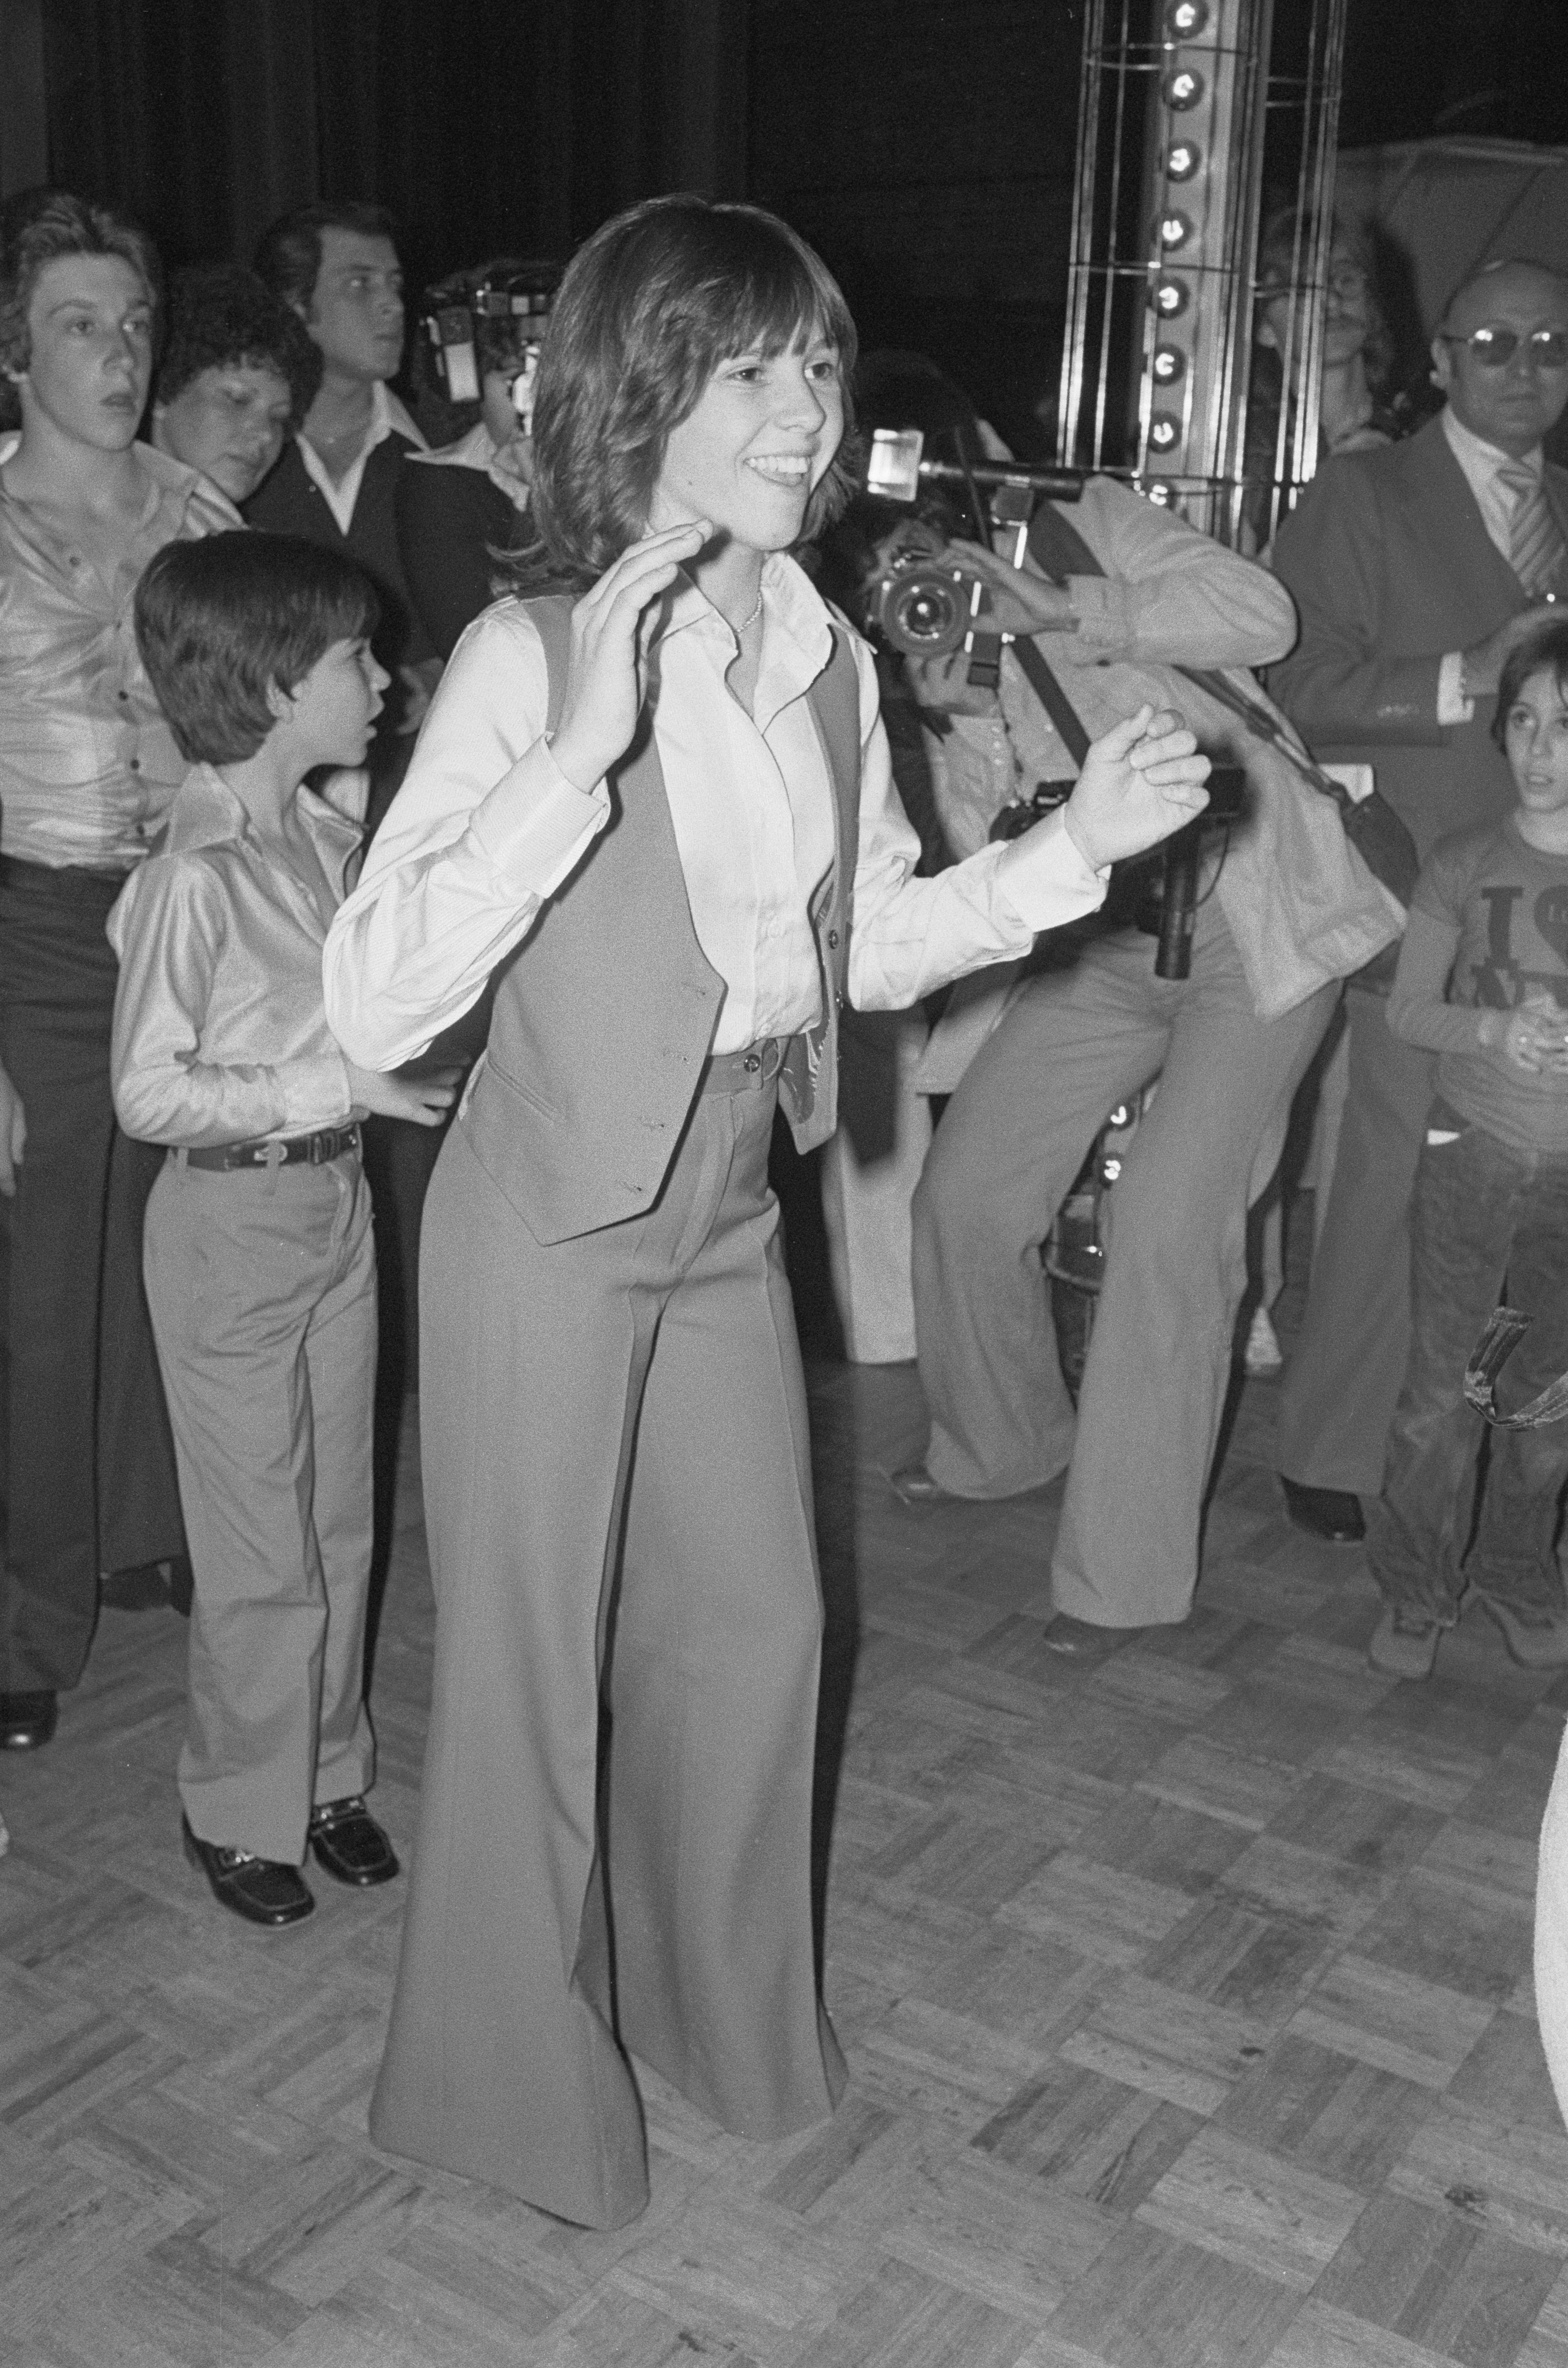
(149, 1587)
(262, 1890)
(1535, 1637)
(1332, 1513)
(1405, 1644)
(143, 1587)
(914, 1485)
(27, 1721)
(350, 1845)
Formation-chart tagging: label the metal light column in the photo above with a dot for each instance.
(1176, 111)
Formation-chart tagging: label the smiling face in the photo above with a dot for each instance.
(757, 445)
(356, 312)
(90, 338)
(1512, 405)
(330, 713)
(229, 422)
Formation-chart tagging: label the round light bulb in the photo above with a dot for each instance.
(1183, 89)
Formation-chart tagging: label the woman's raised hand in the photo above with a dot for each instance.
(599, 715)
(1141, 781)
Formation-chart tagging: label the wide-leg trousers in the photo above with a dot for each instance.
(1010, 1143)
(86, 1463)
(613, 1855)
(262, 1290)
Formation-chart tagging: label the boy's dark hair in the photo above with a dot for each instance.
(1544, 651)
(222, 315)
(218, 621)
(647, 311)
(288, 258)
(38, 226)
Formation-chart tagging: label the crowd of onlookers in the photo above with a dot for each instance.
(1403, 634)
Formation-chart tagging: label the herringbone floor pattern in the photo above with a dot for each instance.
(1185, 1985)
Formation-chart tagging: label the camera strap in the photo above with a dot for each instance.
(1038, 673)
(1371, 826)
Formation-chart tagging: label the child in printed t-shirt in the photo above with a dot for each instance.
(258, 1258)
(1483, 982)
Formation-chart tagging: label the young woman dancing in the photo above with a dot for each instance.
(660, 816)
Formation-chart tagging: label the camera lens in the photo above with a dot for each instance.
(926, 614)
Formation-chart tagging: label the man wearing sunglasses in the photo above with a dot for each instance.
(1415, 570)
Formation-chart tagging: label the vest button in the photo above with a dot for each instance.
(833, 938)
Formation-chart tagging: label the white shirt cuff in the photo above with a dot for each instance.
(1453, 706)
(535, 824)
(1037, 870)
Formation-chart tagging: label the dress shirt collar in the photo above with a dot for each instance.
(169, 476)
(388, 418)
(1478, 459)
(207, 813)
(797, 639)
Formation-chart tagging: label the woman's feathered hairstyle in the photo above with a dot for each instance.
(648, 310)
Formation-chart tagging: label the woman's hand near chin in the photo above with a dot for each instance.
(598, 713)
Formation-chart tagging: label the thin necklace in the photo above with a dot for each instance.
(746, 625)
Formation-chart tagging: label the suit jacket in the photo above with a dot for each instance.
(1390, 567)
(604, 1017)
(289, 501)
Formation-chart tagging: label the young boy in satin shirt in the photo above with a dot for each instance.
(258, 1258)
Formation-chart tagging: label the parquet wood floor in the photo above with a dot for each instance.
(1185, 1982)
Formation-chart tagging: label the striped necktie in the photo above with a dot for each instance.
(1536, 547)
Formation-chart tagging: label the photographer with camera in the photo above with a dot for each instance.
(462, 510)
(1118, 598)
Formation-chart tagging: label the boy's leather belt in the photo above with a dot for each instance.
(314, 1150)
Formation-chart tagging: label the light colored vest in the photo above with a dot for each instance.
(605, 1015)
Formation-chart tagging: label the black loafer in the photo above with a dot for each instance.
(1331, 1513)
(27, 1721)
(349, 1844)
(262, 1890)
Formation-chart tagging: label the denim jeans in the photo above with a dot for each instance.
(1484, 1216)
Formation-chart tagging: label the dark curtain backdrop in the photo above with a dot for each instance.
(485, 124)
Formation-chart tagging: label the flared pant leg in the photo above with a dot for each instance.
(525, 1960)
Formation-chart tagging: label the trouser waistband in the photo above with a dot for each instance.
(746, 1072)
(74, 883)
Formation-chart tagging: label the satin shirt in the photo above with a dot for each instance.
(219, 1034)
(88, 765)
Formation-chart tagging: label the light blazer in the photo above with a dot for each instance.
(604, 1016)
(1390, 567)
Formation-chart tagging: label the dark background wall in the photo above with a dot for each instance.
(926, 145)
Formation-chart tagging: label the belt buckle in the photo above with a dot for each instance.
(318, 1154)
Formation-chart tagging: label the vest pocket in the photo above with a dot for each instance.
(523, 1093)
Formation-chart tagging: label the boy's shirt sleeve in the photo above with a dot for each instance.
(1419, 1010)
(167, 930)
